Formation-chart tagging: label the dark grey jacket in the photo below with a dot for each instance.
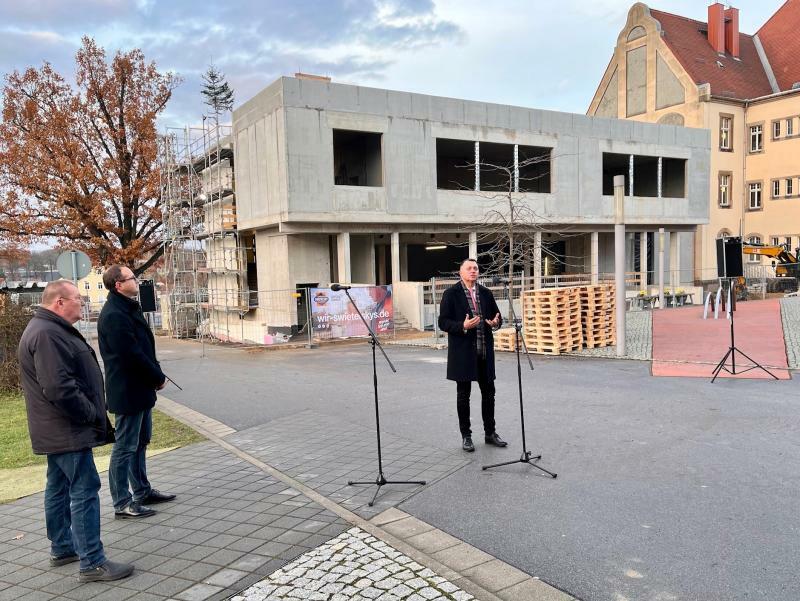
(129, 356)
(63, 387)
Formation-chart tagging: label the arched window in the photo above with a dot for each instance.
(724, 233)
(636, 33)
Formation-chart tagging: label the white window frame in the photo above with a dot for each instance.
(776, 188)
(87, 286)
(724, 194)
(725, 132)
(754, 258)
(776, 129)
(756, 138)
(789, 128)
(754, 196)
(789, 186)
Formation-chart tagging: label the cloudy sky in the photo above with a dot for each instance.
(535, 53)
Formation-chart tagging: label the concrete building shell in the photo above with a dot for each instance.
(310, 226)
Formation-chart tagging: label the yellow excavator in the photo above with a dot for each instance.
(785, 263)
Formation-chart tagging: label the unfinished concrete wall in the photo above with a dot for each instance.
(362, 259)
(309, 259)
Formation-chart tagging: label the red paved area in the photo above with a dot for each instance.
(685, 344)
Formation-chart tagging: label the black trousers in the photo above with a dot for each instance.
(463, 390)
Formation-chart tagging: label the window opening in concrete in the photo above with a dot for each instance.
(497, 166)
(614, 164)
(673, 178)
(249, 249)
(455, 164)
(357, 158)
(645, 176)
(535, 167)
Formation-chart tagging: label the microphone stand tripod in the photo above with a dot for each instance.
(526, 456)
(732, 349)
(380, 480)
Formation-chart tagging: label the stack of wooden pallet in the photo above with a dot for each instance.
(598, 315)
(551, 320)
(504, 340)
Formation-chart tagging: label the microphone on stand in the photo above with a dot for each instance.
(337, 287)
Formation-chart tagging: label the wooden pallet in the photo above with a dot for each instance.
(504, 340)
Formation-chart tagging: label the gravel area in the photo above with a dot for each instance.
(354, 566)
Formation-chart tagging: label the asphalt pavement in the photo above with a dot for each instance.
(667, 488)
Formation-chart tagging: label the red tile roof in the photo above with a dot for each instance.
(687, 39)
(781, 41)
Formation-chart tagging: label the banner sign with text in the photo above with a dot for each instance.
(333, 316)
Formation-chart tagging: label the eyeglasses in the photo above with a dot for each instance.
(72, 298)
(123, 280)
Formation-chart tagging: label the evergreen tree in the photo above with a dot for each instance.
(218, 95)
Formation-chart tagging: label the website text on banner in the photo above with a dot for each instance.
(333, 316)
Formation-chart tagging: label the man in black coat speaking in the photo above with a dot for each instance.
(470, 348)
(133, 375)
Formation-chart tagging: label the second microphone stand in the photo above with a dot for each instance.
(527, 456)
(380, 480)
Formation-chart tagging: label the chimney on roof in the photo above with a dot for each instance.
(732, 31)
(716, 27)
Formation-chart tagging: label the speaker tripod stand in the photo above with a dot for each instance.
(380, 479)
(527, 456)
(732, 349)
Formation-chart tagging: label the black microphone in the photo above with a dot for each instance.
(337, 287)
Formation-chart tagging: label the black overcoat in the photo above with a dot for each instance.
(462, 349)
(128, 349)
(63, 387)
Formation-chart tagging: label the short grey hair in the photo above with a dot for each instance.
(55, 290)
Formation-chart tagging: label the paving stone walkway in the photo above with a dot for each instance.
(231, 525)
(354, 566)
(325, 453)
(790, 315)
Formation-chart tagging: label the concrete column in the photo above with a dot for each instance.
(674, 260)
(343, 257)
(619, 260)
(660, 243)
(372, 263)
(643, 259)
(473, 245)
(595, 256)
(396, 257)
(537, 259)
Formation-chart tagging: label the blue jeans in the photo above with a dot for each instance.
(72, 507)
(133, 434)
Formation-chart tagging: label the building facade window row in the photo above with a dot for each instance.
(785, 187)
(784, 128)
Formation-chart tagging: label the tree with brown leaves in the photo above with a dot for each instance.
(78, 165)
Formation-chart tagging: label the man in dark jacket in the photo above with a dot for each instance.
(66, 409)
(133, 375)
(470, 348)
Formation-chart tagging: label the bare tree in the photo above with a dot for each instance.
(510, 224)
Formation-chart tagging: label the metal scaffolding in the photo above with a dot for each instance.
(205, 264)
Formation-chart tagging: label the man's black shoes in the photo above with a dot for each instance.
(494, 439)
(63, 560)
(107, 572)
(133, 510)
(156, 497)
(467, 444)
